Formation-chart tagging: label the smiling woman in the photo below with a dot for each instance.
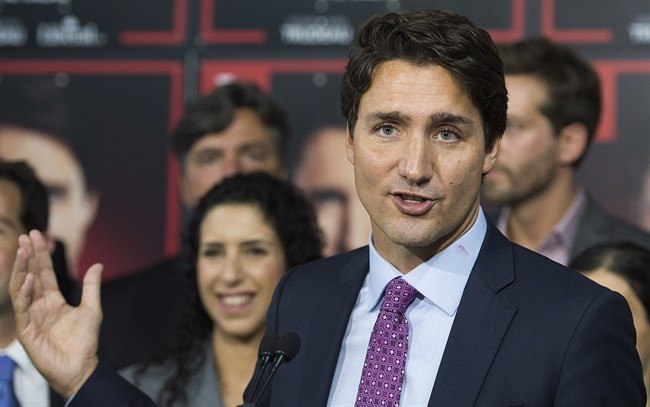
(244, 234)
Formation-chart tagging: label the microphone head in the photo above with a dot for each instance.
(268, 344)
(288, 345)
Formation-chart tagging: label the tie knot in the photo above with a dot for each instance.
(398, 296)
(6, 369)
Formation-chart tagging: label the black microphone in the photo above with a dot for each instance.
(267, 349)
(287, 347)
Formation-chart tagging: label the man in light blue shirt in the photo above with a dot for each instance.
(441, 281)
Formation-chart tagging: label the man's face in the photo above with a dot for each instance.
(244, 146)
(10, 228)
(72, 207)
(328, 180)
(419, 153)
(527, 161)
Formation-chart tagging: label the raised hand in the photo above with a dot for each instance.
(60, 340)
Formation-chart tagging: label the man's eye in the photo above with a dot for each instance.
(447, 135)
(206, 157)
(327, 196)
(386, 130)
(256, 154)
(513, 128)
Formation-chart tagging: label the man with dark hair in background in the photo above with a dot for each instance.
(553, 111)
(23, 207)
(235, 128)
(440, 309)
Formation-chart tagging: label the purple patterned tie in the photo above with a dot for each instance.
(383, 369)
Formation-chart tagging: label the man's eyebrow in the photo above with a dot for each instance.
(393, 116)
(253, 144)
(437, 119)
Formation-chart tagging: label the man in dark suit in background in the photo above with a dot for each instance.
(23, 206)
(235, 128)
(466, 317)
(553, 111)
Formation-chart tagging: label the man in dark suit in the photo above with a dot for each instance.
(553, 111)
(440, 309)
(23, 206)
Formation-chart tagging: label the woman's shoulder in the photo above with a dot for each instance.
(151, 379)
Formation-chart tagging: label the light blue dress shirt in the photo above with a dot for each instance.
(440, 282)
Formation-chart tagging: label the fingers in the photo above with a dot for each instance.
(22, 302)
(90, 295)
(18, 275)
(40, 263)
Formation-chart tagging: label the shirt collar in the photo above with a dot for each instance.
(441, 279)
(17, 353)
(565, 229)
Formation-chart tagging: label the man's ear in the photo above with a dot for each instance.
(349, 144)
(491, 156)
(572, 143)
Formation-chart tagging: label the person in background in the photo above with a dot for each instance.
(23, 207)
(236, 128)
(327, 178)
(243, 235)
(553, 111)
(625, 268)
(35, 127)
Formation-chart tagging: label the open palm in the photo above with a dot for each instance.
(61, 340)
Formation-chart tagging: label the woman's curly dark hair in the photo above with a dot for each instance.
(293, 219)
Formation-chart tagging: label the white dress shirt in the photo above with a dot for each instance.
(30, 387)
(440, 282)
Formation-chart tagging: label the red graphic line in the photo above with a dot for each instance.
(210, 35)
(595, 36)
(609, 71)
(517, 23)
(176, 36)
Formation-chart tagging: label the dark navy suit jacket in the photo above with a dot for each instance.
(528, 332)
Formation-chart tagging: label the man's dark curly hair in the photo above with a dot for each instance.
(34, 210)
(215, 111)
(291, 216)
(430, 37)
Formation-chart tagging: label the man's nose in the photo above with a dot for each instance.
(416, 162)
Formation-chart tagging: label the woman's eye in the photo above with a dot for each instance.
(212, 252)
(256, 251)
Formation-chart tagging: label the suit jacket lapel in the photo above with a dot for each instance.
(55, 399)
(481, 322)
(593, 223)
(323, 343)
